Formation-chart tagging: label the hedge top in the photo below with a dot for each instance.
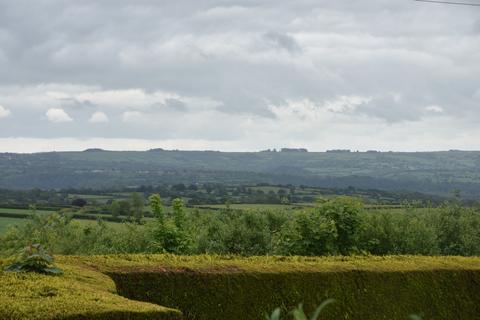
(86, 291)
(273, 264)
(80, 293)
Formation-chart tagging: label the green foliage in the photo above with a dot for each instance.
(229, 287)
(156, 205)
(335, 226)
(34, 258)
(169, 238)
(275, 315)
(170, 235)
(366, 288)
(308, 234)
(62, 235)
(138, 203)
(345, 214)
(179, 212)
(82, 292)
(299, 314)
(115, 209)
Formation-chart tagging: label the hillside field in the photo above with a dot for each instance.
(438, 173)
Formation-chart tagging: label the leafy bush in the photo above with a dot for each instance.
(34, 258)
(335, 226)
(170, 235)
(299, 314)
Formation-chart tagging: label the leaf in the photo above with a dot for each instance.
(275, 315)
(298, 313)
(34, 258)
(14, 267)
(55, 271)
(319, 310)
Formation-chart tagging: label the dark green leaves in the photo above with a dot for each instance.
(34, 258)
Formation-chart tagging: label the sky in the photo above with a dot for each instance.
(239, 75)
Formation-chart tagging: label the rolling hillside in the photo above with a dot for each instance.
(429, 172)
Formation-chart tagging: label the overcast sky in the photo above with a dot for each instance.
(239, 75)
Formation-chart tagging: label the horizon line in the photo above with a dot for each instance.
(273, 150)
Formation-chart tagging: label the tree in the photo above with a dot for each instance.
(308, 234)
(125, 208)
(79, 202)
(171, 235)
(345, 213)
(115, 209)
(179, 212)
(157, 206)
(137, 204)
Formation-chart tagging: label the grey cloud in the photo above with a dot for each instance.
(245, 54)
(390, 109)
(175, 105)
(170, 105)
(283, 41)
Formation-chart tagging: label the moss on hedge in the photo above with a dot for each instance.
(206, 287)
(212, 263)
(81, 293)
(214, 287)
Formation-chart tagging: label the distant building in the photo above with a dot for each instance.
(293, 150)
(339, 151)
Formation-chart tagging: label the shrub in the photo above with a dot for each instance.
(34, 258)
(299, 314)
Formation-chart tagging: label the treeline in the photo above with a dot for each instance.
(201, 194)
(337, 226)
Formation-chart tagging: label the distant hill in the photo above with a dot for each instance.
(429, 172)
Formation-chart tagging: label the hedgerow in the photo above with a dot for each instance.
(364, 288)
(81, 293)
(235, 288)
(337, 226)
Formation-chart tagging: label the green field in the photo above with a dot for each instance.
(6, 222)
(23, 211)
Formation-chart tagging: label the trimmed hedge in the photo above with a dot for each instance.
(364, 288)
(214, 287)
(358, 295)
(81, 293)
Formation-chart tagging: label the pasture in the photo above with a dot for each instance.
(5, 223)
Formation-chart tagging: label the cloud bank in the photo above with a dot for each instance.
(240, 75)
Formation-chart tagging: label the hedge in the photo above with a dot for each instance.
(364, 288)
(81, 293)
(222, 287)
